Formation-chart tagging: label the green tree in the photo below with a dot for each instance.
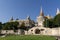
(57, 20)
(5, 26)
(0, 25)
(15, 24)
(10, 25)
(48, 23)
(22, 26)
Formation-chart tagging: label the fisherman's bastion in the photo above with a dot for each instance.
(38, 29)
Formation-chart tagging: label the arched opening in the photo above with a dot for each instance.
(37, 31)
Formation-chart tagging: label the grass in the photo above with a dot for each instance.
(27, 37)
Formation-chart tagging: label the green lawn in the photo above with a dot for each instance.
(27, 37)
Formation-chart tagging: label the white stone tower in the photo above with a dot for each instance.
(40, 18)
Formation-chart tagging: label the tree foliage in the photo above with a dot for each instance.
(10, 25)
(0, 25)
(22, 26)
(57, 20)
(48, 23)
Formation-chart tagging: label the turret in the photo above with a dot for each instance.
(28, 17)
(58, 11)
(40, 18)
(11, 19)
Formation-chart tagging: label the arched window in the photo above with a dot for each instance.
(37, 31)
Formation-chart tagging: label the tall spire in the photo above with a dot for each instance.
(41, 12)
(11, 18)
(58, 11)
(28, 17)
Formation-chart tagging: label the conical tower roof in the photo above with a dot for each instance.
(58, 11)
(28, 17)
(41, 12)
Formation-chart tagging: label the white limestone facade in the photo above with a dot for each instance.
(40, 21)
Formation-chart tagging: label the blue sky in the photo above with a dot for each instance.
(23, 8)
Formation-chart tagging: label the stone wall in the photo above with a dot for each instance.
(7, 32)
(46, 31)
(34, 31)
